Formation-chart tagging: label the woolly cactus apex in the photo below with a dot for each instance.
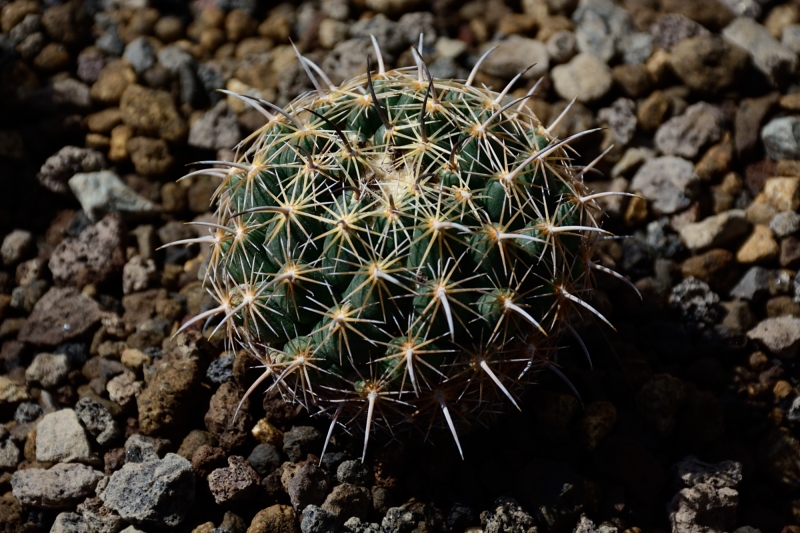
(400, 251)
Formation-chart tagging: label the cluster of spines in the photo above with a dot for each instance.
(399, 247)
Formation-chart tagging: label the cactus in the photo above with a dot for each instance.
(400, 250)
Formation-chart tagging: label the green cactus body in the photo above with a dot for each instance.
(401, 249)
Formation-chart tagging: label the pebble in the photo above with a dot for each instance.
(759, 247)
(238, 482)
(61, 315)
(785, 223)
(686, 134)
(449, 48)
(28, 412)
(715, 231)
(513, 55)
(17, 246)
(585, 76)
(97, 420)
(602, 26)
(709, 497)
(346, 500)
(696, 301)
(11, 393)
(94, 256)
(139, 53)
(354, 472)
(114, 78)
(219, 419)
(61, 166)
(317, 520)
(307, 484)
(274, 519)
(790, 37)
(171, 389)
(47, 370)
(781, 137)
(674, 28)
(61, 438)
(708, 64)
(152, 112)
(667, 182)
(218, 128)
(779, 335)
(505, 514)
(299, 441)
(264, 459)
(10, 454)
(620, 119)
(562, 46)
(221, 369)
(158, 492)
(783, 193)
(69, 523)
(59, 487)
(100, 193)
(141, 448)
(774, 60)
(124, 388)
(150, 157)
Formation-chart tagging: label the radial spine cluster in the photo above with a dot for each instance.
(400, 249)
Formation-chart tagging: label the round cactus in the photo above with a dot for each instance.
(400, 250)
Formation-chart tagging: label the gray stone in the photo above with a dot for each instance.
(61, 438)
(667, 182)
(637, 48)
(47, 370)
(317, 520)
(715, 231)
(506, 514)
(770, 57)
(708, 504)
(221, 369)
(300, 441)
(386, 31)
(790, 38)
(60, 487)
(139, 53)
(70, 523)
(513, 55)
(620, 119)
(631, 160)
(138, 274)
(16, 247)
(27, 412)
(586, 77)
(10, 454)
(754, 284)
(411, 25)
(781, 138)
(68, 161)
(605, 30)
(97, 420)
(141, 449)
(745, 8)
(695, 300)
(100, 518)
(218, 128)
(100, 193)
(355, 525)
(686, 134)
(780, 335)
(562, 46)
(355, 472)
(264, 459)
(785, 223)
(173, 58)
(157, 493)
(672, 28)
(24, 297)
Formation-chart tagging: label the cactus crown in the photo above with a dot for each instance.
(400, 249)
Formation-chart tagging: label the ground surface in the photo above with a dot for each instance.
(688, 416)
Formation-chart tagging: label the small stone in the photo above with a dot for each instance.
(264, 459)
(157, 493)
(152, 112)
(275, 519)
(221, 369)
(70, 523)
(60, 487)
(61, 166)
(265, 432)
(696, 300)
(667, 182)
(47, 370)
(118, 143)
(317, 520)
(450, 48)
(137, 274)
(61, 438)
(150, 157)
(354, 472)
(139, 53)
(709, 497)
(238, 482)
(790, 37)
(620, 118)
(562, 46)
(53, 57)
(780, 335)
(219, 420)
(515, 54)
(123, 388)
(93, 257)
(16, 247)
(783, 193)
(505, 514)
(11, 393)
(299, 441)
(333, 31)
(100, 193)
(348, 500)
(652, 111)
(715, 231)
(785, 223)
(686, 134)
(28, 412)
(60, 315)
(114, 79)
(759, 247)
(781, 137)
(104, 121)
(307, 485)
(674, 28)
(585, 77)
(10, 454)
(216, 129)
(171, 389)
(708, 64)
(206, 459)
(768, 55)
(97, 420)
